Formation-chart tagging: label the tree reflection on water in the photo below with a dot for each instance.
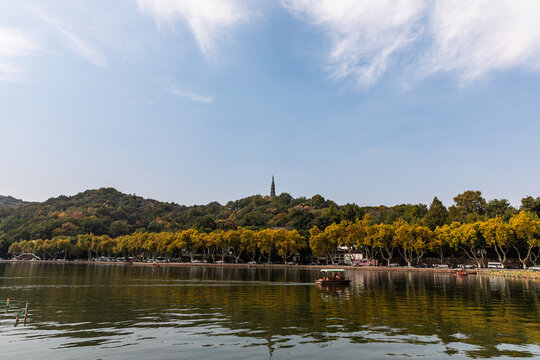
(87, 305)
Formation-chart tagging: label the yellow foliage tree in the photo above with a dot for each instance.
(498, 235)
(527, 230)
(382, 238)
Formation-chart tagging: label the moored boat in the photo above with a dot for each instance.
(464, 272)
(333, 277)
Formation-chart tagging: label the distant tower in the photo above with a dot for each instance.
(272, 189)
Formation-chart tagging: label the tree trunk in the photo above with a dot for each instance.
(501, 254)
(389, 254)
(534, 257)
(526, 258)
(480, 261)
(252, 255)
(331, 257)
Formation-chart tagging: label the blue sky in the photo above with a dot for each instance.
(191, 101)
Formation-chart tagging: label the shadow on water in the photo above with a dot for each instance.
(209, 310)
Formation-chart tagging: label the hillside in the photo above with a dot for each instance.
(10, 202)
(107, 211)
(102, 211)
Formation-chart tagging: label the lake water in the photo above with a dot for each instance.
(130, 312)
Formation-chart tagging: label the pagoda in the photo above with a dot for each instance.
(272, 189)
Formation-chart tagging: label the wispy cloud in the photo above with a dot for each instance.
(80, 46)
(83, 49)
(363, 40)
(475, 38)
(190, 95)
(364, 35)
(208, 20)
(469, 39)
(13, 45)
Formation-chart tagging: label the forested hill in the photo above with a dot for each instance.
(10, 201)
(102, 211)
(107, 211)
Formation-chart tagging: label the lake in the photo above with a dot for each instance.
(131, 312)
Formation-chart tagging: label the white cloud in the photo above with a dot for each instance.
(209, 20)
(469, 39)
(365, 38)
(83, 49)
(74, 41)
(13, 45)
(475, 38)
(190, 95)
(363, 35)
(14, 42)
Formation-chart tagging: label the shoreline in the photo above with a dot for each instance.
(507, 273)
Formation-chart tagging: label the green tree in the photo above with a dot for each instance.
(351, 212)
(500, 208)
(469, 206)
(205, 224)
(530, 204)
(317, 202)
(119, 227)
(437, 214)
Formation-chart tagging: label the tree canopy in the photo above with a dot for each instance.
(472, 226)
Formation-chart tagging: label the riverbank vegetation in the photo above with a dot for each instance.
(106, 222)
(256, 245)
(519, 236)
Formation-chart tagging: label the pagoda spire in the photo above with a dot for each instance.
(272, 189)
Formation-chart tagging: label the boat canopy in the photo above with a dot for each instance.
(332, 270)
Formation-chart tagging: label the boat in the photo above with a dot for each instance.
(333, 277)
(463, 272)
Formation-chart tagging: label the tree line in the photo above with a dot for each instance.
(255, 245)
(517, 237)
(109, 212)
